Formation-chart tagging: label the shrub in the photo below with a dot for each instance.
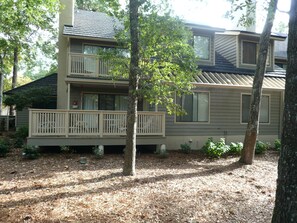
(98, 151)
(65, 149)
(277, 144)
(162, 152)
(215, 149)
(235, 148)
(30, 152)
(261, 147)
(4, 147)
(21, 135)
(185, 148)
(22, 132)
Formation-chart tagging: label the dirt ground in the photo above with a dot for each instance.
(182, 188)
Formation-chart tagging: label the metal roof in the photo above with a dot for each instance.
(237, 80)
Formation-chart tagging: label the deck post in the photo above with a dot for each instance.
(30, 122)
(67, 123)
(101, 123)
(163, 124)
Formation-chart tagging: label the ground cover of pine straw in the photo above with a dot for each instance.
(181, 188)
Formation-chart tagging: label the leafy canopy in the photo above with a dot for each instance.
(167, 62)
(26, 98)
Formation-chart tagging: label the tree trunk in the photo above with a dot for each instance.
(247, 155)
(285, 209)
(14, 74)
(130, 150)
(1, 90)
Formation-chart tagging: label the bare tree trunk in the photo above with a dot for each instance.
(1, 90)
(285, 209)
(14, 74)
(247, 155)
(130, 150)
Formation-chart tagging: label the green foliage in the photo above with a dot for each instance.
(98, 152)
(235, 148)
(261, 147)
(185, 148)
(162, 152)
(4, 147)
(20, 136)
(215, 149)
(277, 145)
(26, 98)
(22, 132)
(30, 152)
(65, 149)
(167, 61)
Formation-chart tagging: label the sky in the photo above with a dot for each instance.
(211, 12)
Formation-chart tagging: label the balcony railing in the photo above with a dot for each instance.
(87, 65)
(74, 123)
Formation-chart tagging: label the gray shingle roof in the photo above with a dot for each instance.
(47, 81)
(93, 25)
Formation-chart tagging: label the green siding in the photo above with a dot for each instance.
(225, 116)
(226, 46)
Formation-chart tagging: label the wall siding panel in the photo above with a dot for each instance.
(225, 111)
(226, 46)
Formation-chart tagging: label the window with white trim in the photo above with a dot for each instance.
(202, 47)
(195, 105)
(264, 109)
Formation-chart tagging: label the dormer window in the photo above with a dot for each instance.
(250, 53)
(202, 47)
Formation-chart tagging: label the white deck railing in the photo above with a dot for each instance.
(74, 123)
(87, 65)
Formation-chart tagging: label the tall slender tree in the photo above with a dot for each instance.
(20, 20)
(285, 209)
(130, 151)
(161, 62)
(247, 155)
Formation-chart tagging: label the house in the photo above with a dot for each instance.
(91, 106)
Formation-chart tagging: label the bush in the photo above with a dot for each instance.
(215, 149)
(22, 132)
(277, 144)
(98, 151)
(21, 135)
(162, 152)
(261, 147)
(185, 148)
(235, 148)
(30, 152)
(4, 147)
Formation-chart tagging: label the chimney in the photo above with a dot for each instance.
(66, 17)
(67, 13)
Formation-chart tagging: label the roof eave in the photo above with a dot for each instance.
(90, 38)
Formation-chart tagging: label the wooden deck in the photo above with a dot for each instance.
(81, 127)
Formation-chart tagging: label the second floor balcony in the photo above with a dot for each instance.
(87, 65)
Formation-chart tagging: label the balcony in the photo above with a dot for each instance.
(82, 123)
(87, 65)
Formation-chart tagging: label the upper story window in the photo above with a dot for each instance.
(250, 53)
(202, 47)
(196, 106)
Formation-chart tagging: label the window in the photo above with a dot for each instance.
(250, 53)
(196, 107)
(264, 109)
(202, 47)
(105, 102)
